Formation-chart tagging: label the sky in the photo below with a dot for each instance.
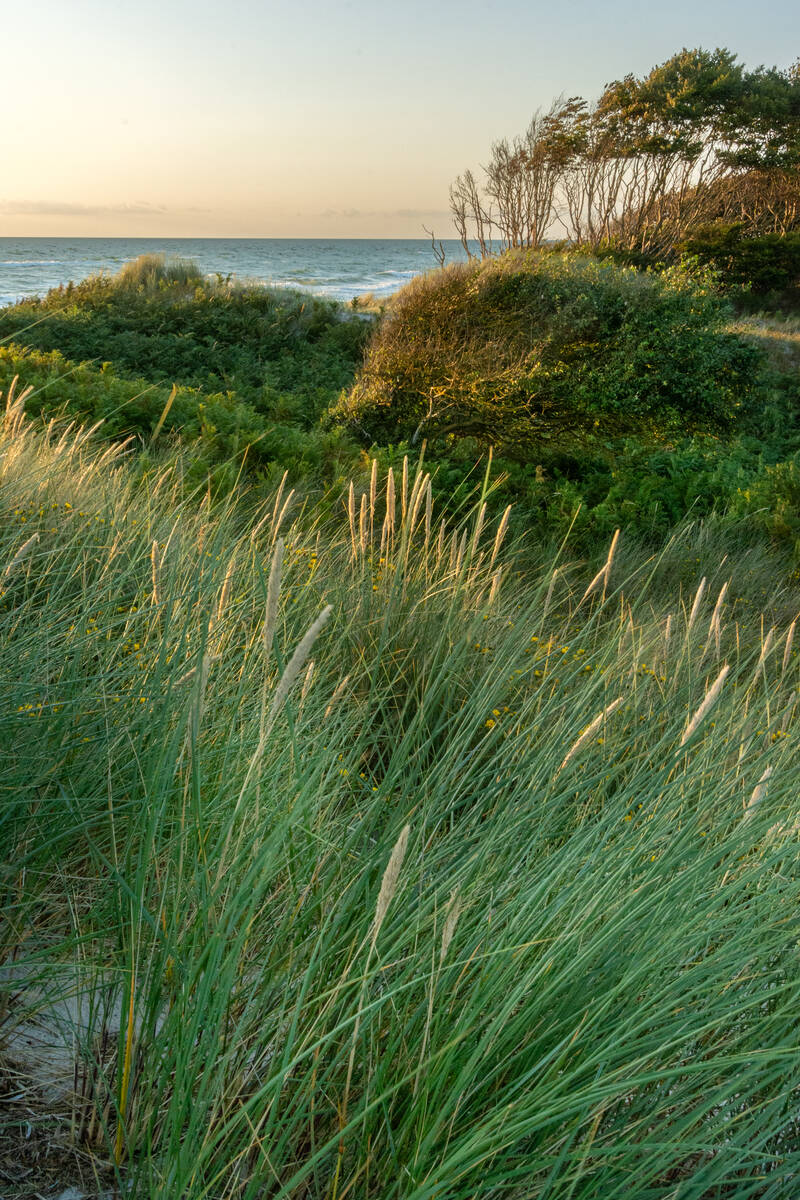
(307, 118)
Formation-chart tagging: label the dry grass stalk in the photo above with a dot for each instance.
(200, 704)
(390, 502)
(295, 666)
(276, 505)
(453, 549)
(417, 492)
(714, 624)
(388, 888)
(501, 533)
(476, 533)
(307, 680)
(667, 634)
(611, 551)
(787, 650)
(259, 525)
(164, 414)
(362, 524)
(389, 882)
(208, 660)
(785, 718)
(404, 491)
(279, 520)
(225, 592)
(273, 598)
(450, 922)
(351, 517)
(549, 596)
(712, 695)
(494, 590)
(154, 572)
(21, 555)
(603, 574)
(589, 732)
(440, 541)
(766, 646)
(428, 510)
(698, 598)
(14, 416)
(373, 492)
(758, 793)
(462, 549)
(341, 685)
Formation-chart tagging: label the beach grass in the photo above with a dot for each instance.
(349, 853)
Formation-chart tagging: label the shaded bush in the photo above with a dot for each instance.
(534, 348)
(759, 264)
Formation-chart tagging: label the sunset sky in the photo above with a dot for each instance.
(317, 118)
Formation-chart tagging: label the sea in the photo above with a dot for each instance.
(339, 268)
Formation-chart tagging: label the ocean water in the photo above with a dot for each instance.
(338, 268)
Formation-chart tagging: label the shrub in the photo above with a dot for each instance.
(533, 348)
(759, 264)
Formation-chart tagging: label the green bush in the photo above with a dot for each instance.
(531, 349)
(761, 265)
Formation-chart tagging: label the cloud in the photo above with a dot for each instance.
(62, 208)
(394, 214)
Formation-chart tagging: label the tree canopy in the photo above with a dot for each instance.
(698, 138)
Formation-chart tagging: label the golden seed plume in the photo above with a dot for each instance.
(758, 793)
(21, 555)
(307, 680)
(450, 922)
(390, 501)
(273, 599)
(362, 524)
(296, 664)
(787, 651)
(404, 491)
(501, 533)
(712, 695)
(389, 882)
(590, 731)
(766, 647)
(603, 574)
(351, 517)
(373, 492)
(154, 565)
(227, 584)
(341, 685)
(698, 598)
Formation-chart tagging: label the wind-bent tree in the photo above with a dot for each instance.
(696, 140)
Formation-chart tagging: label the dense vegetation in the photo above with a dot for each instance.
(343, 859)
(251, 368)
(531, 348)
(735, 450)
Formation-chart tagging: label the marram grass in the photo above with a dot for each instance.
(414, 923)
